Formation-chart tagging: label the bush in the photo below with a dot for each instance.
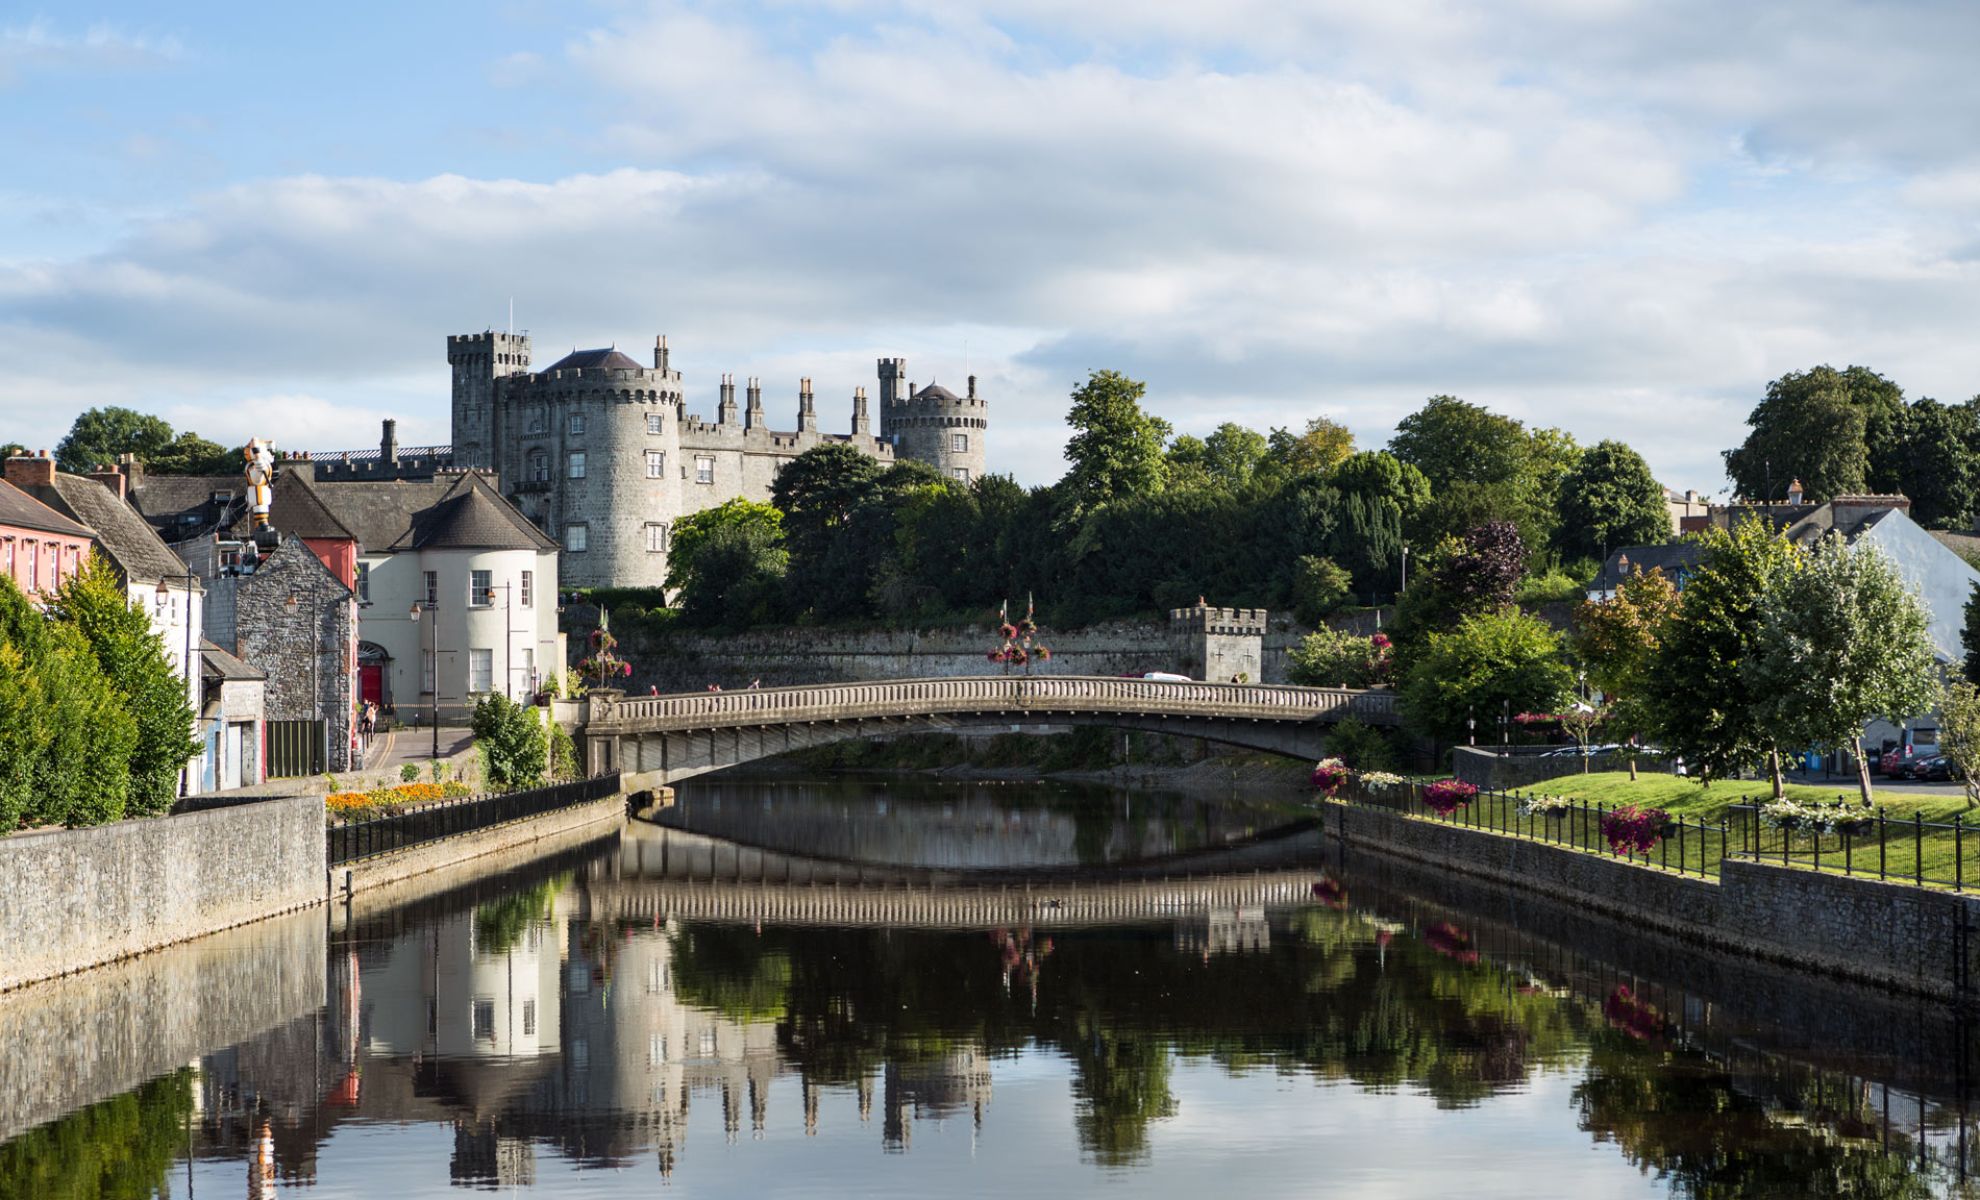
(1362, 747)
(1334, 658)
(511, 741)
(409, 773)
(1555, 585)
(564, 762)
(1319, 586)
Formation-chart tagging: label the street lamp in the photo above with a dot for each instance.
(1404, 585)
(1471, 728)
(433, 681)
(164, 597)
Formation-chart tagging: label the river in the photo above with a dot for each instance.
(905, 988)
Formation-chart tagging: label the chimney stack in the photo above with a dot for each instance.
(807, 413)
(972, 387)
(1794, 492)
(111, 478)
(753, 417)
(31, 470)
(862, 424)
(388, 444)
(660, 353)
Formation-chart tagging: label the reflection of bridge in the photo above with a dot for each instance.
(668, 873)
(661, 739)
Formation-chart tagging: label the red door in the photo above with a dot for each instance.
(371, 683)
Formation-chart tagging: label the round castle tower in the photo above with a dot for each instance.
(933, 425)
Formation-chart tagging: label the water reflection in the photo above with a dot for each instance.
(591, 1017)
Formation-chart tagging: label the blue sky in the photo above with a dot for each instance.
(1618, 217)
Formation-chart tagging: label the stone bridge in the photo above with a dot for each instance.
(658, 740)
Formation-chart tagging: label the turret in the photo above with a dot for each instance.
(893, 372)
(478, 360)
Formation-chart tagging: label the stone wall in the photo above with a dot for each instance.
(74, 898)
(681, 661)
(1882, 934)
(544, 833)
(1482, 766)
(305, 646)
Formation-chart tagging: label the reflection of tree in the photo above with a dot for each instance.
(500, 924)
(119, 1147)
(1679, 1114)
(1122, 1083)
(732, 971)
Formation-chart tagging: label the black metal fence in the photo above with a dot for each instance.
(1685, 846)
(1841, 838)
(1855, 841)
(356, 840)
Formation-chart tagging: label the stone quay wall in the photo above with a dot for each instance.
(1883, 934)
(75, 898)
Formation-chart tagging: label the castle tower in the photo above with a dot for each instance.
(807, 412)
(725, 409)
(862, 425)
(1219, 644)
(893, 381)
(478, 360)
(940, 428)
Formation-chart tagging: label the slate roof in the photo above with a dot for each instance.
(1674, 559)
(217, 663)
(473, 517)
(23, 511)
(297, 507)
(609, 358)
(182, 506)
(935, 391)
(125, 538)
(380, 513)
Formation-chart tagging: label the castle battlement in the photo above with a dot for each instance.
(1235, 622)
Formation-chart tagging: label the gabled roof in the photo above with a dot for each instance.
(23, 511)
(608, 358)
(472, 517)
(123, 536)
(381, 513)
(297, 507)
(1674, 559)
(216, 663)
(182, 506)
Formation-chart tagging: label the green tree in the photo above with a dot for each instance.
(100, 435)
(132, 657)
(1617, 641)
(1492, 662)
(739, 577)
(513, 745)
(1337, 658)
(1842, 640)
(1702, 702)
(695, 530)
(819, 491)
(1932, 462)
(1610, 500)
(69, 724)
(1379, 496)
(1959, 731)
(1116, 448)
(1323, 445)
(191, 454)
(1486, 468)
(1319, 586)
(1969, 635)
(1817, 426)
(1461, 577)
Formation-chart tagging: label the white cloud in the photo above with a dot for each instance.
(40, 45)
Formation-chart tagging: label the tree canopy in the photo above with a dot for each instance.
(1817, 426)
(100, 436)
(1116, 449)
(1608, 500)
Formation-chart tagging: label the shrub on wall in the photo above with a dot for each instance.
(66, 738)
(513, 747)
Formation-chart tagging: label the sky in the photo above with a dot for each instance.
(1620, 217)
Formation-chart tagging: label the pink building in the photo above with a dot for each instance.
(39, 547)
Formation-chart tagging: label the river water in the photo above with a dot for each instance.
(781, 988)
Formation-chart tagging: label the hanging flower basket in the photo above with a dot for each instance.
(1554, 808)
(1633, 830)
(1632, 1014)
(1451, 942)
(1329, 775)
(1330, 892)
(1446, 796)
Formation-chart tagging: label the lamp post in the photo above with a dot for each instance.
(433, 681)
(1471, 728)
(508, 637)
(1404, 585)
(164, 596)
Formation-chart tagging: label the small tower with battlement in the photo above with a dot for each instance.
(933, 424)
(478, 360)
(1221, 645)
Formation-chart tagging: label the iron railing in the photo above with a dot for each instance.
(353, 841)
(1847, 840)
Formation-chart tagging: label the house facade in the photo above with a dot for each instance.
(39, 547)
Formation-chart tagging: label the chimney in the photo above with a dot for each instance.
(862, 425)
(753, 416)
(111, 478)
(1794, 492)
(660, 353)
(31, 470)
(807, 413)
(725, 408)
(388, 444)
(972, 387)
(133, 470)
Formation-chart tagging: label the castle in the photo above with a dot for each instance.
(599, 451)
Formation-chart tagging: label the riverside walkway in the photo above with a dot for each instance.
(658, 740)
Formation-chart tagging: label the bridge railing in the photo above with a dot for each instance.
(1014, 694)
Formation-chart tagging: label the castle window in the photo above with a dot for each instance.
(536, 419)
(539, 466)
(576, 422)
(656, 538)
(704, 468)
(656, 464)
(576, 537)
(656, 423)
(959, 443)
(961, 474)
(577, 464)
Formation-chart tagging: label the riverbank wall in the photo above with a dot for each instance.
(502, 845)
(77, 898)
(1886, 935)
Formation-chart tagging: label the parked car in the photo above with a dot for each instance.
(1937, 769)
(1893, 764)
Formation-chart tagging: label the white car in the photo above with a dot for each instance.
(1167, 677)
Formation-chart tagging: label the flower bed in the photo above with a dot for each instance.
(1838, 817)
(1446, 796)
(377, 801)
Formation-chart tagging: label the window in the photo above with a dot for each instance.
(959, 443)
(34, 566)
(529, 1018)
(481, 589)
(536, 419)
(656, 538)
(432, 587)
(539, 466)
(484, 1020)
(528, 589)
(481, 670)
(576, 423)
(961, 474)
(656, 464)
(427, 681)
(656, 1048)
(576, 537)
(363, 578)
(656, 423)
(704, 468)
(577, 464)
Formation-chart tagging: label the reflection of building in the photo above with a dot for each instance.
(1225, 931)
(934, 1090)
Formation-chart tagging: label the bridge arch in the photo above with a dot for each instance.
(657, 740)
